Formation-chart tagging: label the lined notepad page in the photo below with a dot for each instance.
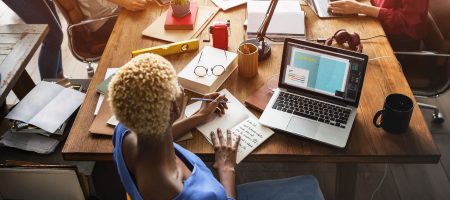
(239, 120)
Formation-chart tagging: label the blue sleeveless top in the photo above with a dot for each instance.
(200, 185)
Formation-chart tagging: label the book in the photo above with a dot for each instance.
(184, 23)
(239, 120)
(286, 11)
(260, 98)
(103, 86)
(156, 30)
(109, 73)
(210, 57)
(100, 124)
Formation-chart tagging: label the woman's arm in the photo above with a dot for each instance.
(353, 7)
(132, 5)
(407, 19)
(182, 126)
(225, 160)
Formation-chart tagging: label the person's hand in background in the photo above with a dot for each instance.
(344, 7)
(352, 7)
(132, 5)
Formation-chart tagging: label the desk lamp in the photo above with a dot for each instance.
(263, 48)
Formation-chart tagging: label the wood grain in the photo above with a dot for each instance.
(18, 43)
(366, 144)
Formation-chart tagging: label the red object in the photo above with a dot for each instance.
(185, 23)
(403, 17)
(219, 31)
(342, 36)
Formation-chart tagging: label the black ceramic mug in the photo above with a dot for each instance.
(396, 113)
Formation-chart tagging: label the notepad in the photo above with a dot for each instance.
(240, 121)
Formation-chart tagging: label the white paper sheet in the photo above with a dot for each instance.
(47, 106)
(109, 72)
(227, 4)
(252, 135)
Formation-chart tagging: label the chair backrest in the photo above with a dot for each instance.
(82, 43)
(438, 38)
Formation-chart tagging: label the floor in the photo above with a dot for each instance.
(402, 182)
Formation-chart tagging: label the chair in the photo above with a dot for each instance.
(84, 45)
(428, 70)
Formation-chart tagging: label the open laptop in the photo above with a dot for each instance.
(320, 7)
(318, 92)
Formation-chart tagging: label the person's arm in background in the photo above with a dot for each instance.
(353, 7)
(181, 127)
(131, 5)
(395, 20)
(225, 160)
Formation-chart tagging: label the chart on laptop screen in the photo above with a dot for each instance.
(319, 72)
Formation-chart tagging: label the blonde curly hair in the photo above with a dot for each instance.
(141, 93)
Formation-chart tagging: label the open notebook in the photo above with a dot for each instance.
(239, 120)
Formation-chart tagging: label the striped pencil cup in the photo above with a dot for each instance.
(247, 60)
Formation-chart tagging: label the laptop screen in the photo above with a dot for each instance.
(321, 70)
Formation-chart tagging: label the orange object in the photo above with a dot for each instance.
(185, 23)
(247, 62)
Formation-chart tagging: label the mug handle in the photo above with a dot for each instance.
(375, 119)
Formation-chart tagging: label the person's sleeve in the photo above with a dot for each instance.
(406, 19)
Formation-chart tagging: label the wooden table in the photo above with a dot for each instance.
(366, 144)
(18, 43)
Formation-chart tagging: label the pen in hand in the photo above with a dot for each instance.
(208, 100)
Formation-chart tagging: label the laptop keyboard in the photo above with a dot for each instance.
(312, 109)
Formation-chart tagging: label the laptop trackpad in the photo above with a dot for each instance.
(303, 126)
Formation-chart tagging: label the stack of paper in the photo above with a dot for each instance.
(47, 107)
(37, 130)
(288, 20)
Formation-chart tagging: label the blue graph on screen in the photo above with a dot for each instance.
(325, 74)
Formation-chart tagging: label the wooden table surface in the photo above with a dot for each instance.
(366, 144)
(18, 42)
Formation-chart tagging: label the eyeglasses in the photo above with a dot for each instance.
(203, 71)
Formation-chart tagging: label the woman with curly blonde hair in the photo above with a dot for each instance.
(144, 95)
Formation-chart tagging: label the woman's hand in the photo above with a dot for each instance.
(132, 5)
(215, 106)
(225, 151)
(344, 7)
